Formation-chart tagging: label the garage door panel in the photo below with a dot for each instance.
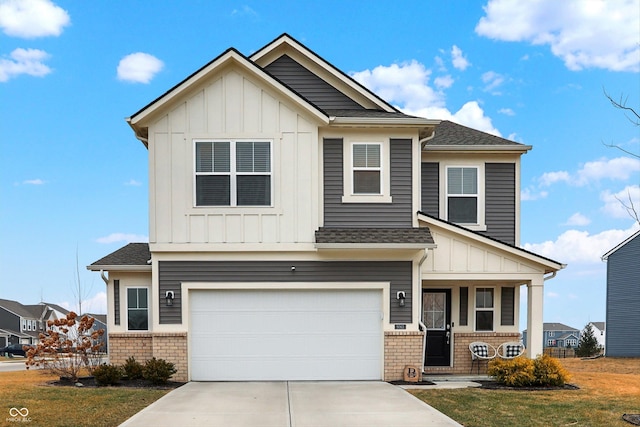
(285, 334)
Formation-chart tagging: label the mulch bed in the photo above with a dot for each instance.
(139, 383)
(493, 385)
(632, 419)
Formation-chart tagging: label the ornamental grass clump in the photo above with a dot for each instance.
(544, 371)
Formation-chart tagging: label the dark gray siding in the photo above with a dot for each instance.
(507, 306)
(116, 302)
(500, 201)
(310, 86)
(464, 306)
(430, 184)
(172, 273)
(9, 320)
(386, 215)
(623, 301)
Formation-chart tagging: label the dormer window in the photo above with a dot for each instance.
(233, 173)
(462, 195)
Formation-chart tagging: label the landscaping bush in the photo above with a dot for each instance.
(132, 368)
(158, 371)
(549, 372)
(518, 372)
(522, 372)
(107, 374)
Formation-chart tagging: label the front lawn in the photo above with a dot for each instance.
(67, 406)
(609, 388)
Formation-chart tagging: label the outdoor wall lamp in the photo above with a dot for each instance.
(169, 298)
(401, 296)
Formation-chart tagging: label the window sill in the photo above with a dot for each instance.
(474, 227)
(367, 198)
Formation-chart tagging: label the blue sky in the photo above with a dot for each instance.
(73, 179)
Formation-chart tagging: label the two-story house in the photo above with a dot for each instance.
(23, 324)
(557, 335)
(302, 228)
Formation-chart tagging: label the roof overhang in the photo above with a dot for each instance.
(606, 256)
(364, 246)
(550, 266)
(519, 149)
(126, 268)
(408, 122)
(139, 121)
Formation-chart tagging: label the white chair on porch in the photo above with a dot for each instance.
(510, 350)
(481, 351)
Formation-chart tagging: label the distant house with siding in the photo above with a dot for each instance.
(623, 298)
(557, 335)
(599, 332)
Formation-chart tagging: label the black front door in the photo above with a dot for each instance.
(436, 315)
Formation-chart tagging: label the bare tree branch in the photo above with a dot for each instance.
(622, 105)
(631, 209)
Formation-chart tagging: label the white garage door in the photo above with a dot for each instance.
(243, 335)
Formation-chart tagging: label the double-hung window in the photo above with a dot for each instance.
(462, 195)
(233, 173)
(137, 309)
(367, 170)
(484, 309)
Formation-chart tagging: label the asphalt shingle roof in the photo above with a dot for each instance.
(449, 133)
(374, 235)
(131, 254)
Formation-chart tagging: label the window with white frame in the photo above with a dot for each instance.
(367, 168)
(551, 343)
(462, 195)
(233, 173)
(484, 309)
(24, 324)
(137, 309)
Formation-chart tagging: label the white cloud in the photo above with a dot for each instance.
(443, 82)
(532, 194)
(36, 181)
(24, 61)
(244, 11)
(97, 304)
(553, 294)
(612, 201)
(133, 183)
(139, 67)
(492, 81)
(575, 246)
(507, 111)
(458, 60)
(32, 18)
(583, 33)
(618, 169)
(577, 219)
(122, 237)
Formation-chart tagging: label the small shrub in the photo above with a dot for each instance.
(107, 374)
(518, 372)
(158, 371)
(132, 368)
(549, 372)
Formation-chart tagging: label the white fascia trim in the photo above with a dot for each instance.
(230, 57)
(128, 268)
(479, 148)
(606, 256)
(232, 247)
(515, 251)
(375, 246)
(382, 121)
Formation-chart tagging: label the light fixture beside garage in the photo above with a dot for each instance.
(401, 296)
(169, 298)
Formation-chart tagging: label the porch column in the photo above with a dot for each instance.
(535, 301)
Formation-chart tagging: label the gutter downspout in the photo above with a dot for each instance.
(424, 141)
(106, 340)
(420, 323)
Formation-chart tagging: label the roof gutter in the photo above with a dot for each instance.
(384, 121)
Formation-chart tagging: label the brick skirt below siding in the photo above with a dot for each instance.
(171, 347)
(462, 355)
(401, 349)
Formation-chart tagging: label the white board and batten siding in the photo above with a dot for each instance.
(232, 105)
(275, 335)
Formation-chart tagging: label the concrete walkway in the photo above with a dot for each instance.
(289, 404)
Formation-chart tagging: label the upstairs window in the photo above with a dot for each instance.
(462, 195)
(367, 170)
(233, 173)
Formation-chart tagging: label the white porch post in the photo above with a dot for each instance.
(535, 300)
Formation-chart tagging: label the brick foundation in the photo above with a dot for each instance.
(462, 355)
(401, 349)
(171, 347)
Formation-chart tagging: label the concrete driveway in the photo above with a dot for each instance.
(298, 404)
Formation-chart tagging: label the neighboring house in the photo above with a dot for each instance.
(599, 331)
(557, 335)
(100, 322)
(23, 323)
(302, 228)
(623, 298)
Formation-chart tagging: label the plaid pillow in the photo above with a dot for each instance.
(512, 350)
(481, 350)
